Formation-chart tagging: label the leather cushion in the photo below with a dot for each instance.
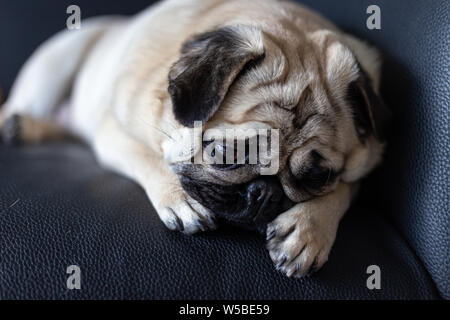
(58, 208)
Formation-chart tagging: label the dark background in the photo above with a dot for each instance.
(25, 24)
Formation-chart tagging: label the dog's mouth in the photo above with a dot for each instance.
(250, 205)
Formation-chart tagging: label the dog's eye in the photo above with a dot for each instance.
(227, 156)
(316, 176)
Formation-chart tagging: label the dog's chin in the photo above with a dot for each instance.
(249, 205)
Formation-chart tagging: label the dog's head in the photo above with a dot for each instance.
(311, 88)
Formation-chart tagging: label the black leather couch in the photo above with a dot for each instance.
(59, 208)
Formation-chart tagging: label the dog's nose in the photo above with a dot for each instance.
(265, 199)
(263, 190)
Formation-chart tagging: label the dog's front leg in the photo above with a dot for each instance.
(300, 239)
(117, 150)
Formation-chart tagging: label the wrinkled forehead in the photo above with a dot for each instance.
(317, 63)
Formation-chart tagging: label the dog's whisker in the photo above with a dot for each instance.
(156, 128)
(329, 175)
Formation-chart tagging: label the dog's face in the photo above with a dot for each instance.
(312, 89)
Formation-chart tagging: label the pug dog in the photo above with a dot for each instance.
(130, 86)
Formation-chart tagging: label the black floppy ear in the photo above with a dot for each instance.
(209, 63)
(370, 114)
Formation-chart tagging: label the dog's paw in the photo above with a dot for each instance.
(299, 241)
(187, 216)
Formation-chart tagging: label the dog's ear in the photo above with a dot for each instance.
(370, 114)
(208, 66)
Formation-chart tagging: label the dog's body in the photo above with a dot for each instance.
(266, 64)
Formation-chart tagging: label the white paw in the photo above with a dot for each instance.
(299, 241)
(187, 216)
